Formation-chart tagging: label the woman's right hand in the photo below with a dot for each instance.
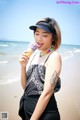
(23, 60)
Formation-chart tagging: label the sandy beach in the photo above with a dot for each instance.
(68, 98)
(9, 99)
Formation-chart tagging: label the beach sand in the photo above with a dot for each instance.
(9, 99)
(68, 98)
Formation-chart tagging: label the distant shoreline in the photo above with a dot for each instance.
(25, 41)
(14, 41)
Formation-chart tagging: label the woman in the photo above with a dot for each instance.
(41, 80)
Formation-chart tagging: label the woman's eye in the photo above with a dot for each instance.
(36, 34)
(44, 35)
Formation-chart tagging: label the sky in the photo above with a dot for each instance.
(17, 15)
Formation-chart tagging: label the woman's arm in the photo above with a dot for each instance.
(23, 61)
(52, 73)
(23, 77)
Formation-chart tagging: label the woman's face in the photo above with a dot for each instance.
(43, 39)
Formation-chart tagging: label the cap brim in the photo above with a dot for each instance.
(33, 27)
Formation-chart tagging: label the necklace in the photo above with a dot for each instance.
(47, 52)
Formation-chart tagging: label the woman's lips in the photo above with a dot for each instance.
(39, 45)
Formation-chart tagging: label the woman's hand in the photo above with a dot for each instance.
(23, 59)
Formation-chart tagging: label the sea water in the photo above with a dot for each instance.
(10, 52)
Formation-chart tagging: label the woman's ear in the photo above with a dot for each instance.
(52, 41)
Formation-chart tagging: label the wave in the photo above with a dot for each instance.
(3, 62)
(3, 45)
(65, 58)
(77, 51)
(13, 44)
(68, 54)
(9, 81)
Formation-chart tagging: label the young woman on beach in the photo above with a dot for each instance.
(40, 73)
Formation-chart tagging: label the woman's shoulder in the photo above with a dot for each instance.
(55, 55)
(55, 58)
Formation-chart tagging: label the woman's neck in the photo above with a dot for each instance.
(43, 53)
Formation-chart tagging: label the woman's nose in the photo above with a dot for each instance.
(39, 38)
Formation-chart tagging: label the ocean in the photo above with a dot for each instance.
(10, 52)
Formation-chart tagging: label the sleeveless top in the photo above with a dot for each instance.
(34, 88)
(35, 79)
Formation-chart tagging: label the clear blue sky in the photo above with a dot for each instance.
(17, 15)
